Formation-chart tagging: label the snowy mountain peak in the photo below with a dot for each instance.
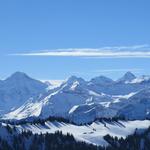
(17, 89)
(73, 79)
(73, 83)
(101, 80)
(20, 78)
(128, 76)
(18, 75)
(76, 99)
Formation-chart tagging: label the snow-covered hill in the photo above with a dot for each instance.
(93, 133)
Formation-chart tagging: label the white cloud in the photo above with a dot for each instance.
(136, 51)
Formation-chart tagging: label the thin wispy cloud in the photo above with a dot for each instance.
(136, 51)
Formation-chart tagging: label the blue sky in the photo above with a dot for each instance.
(117, 31)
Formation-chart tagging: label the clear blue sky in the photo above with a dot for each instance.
(34, 25)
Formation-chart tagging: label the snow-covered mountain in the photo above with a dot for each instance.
(101, 80)
(127, 84)
(59, 102)
(17, 89)
(128, 77)
(79, 100)
(138, 106)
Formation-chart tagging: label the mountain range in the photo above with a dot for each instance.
(80, 101)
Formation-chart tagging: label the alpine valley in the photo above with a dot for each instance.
(88, 110)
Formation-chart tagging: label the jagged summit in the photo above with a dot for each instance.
(17, 89)
(22, 78)
(72, 79)
(18, 75)
(128, 76)
(74, 83)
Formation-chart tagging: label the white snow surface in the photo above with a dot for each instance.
(140, 79)
(93, 133)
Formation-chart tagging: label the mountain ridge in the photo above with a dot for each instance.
(82, 101)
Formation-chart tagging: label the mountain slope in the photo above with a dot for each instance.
(79, 100)
(127, 77)
(138, 106)
(17, 89)
(59, 102)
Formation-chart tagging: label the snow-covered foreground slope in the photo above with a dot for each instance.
(89, 133)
